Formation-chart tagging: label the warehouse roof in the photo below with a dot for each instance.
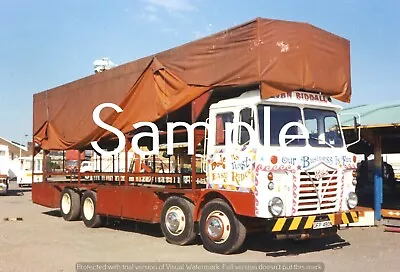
(374, 115)
(381, 119)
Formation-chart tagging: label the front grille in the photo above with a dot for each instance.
(317, 191)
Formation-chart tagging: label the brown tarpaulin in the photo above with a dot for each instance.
(279, 55)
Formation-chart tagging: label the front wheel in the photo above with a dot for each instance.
(220, 230)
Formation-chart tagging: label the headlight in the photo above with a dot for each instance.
(352, 200)
(276, 206)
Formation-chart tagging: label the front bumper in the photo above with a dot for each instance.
(303, 223)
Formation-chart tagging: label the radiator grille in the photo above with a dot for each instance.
(318, 191)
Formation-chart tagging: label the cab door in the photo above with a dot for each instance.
(230, 158)
(218, 157)
(243, 156)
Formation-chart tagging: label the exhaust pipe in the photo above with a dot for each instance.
(303, 236)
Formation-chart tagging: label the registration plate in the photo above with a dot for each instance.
(322, 224)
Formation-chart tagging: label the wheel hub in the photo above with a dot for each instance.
(218, 227)
(172, 222)
(66, 203)
(215, 228)
(88, 209)
(175, 220)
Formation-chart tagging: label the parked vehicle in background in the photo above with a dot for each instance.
(366, 172)
(4, 169)
(72, 158)
(24, 172)
(4, 183)
(71, 168)
(87, 166)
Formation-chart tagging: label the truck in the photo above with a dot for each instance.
(260, 147)
(71, 161)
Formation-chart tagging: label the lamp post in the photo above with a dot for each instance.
(20, 145)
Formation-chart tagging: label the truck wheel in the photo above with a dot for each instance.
(220, 229)
(70, 204)
(177, 221)
(89, 216)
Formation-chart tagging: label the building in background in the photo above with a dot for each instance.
(14, 149)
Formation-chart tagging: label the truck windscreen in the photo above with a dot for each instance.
(280, 116)
(322, 125)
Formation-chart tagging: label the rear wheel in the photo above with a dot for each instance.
(220, 230)
(177, 222)
(70, 204)
(89, 215)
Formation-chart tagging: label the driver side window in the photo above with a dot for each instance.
(246, 116)
(221, 120)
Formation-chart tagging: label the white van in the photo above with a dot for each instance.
(24, 172)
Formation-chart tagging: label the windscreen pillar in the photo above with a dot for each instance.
(378, 187)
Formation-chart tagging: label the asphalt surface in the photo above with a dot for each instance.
(43, 241)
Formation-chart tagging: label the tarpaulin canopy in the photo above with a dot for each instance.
(278, 56)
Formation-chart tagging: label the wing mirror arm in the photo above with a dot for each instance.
(357, 129)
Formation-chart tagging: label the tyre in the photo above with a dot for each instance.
(70, 204)
(177, 222)
(220, 229)
(89, 215)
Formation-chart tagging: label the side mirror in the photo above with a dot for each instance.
(355, 124)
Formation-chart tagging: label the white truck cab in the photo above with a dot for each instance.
(291, 154)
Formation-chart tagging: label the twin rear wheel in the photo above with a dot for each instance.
(73, 206)
(219, 228)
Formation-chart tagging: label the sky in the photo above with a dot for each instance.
(45, 44)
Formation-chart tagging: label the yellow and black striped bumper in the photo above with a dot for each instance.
(285, 224)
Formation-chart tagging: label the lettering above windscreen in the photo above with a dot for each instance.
(304, 97)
